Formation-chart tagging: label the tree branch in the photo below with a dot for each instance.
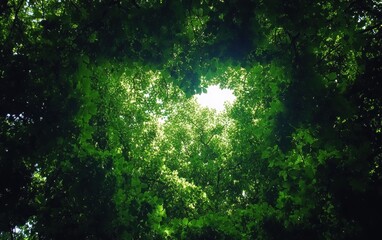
(18, 8)
(379, 24)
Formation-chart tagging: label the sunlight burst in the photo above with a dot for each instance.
(215, 98)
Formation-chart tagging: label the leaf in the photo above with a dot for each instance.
(283, 174)
(332, 76)
(185, 221)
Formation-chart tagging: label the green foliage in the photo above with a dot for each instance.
(101, 137)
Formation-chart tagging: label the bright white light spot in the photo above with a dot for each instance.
(215, 98)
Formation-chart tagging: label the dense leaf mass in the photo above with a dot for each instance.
(101, 137)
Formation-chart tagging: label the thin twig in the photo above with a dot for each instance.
(14, 21)
(17, 11)
(372, 27)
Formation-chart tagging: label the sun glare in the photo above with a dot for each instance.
(215, 98)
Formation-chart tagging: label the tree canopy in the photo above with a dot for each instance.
(101, 137)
